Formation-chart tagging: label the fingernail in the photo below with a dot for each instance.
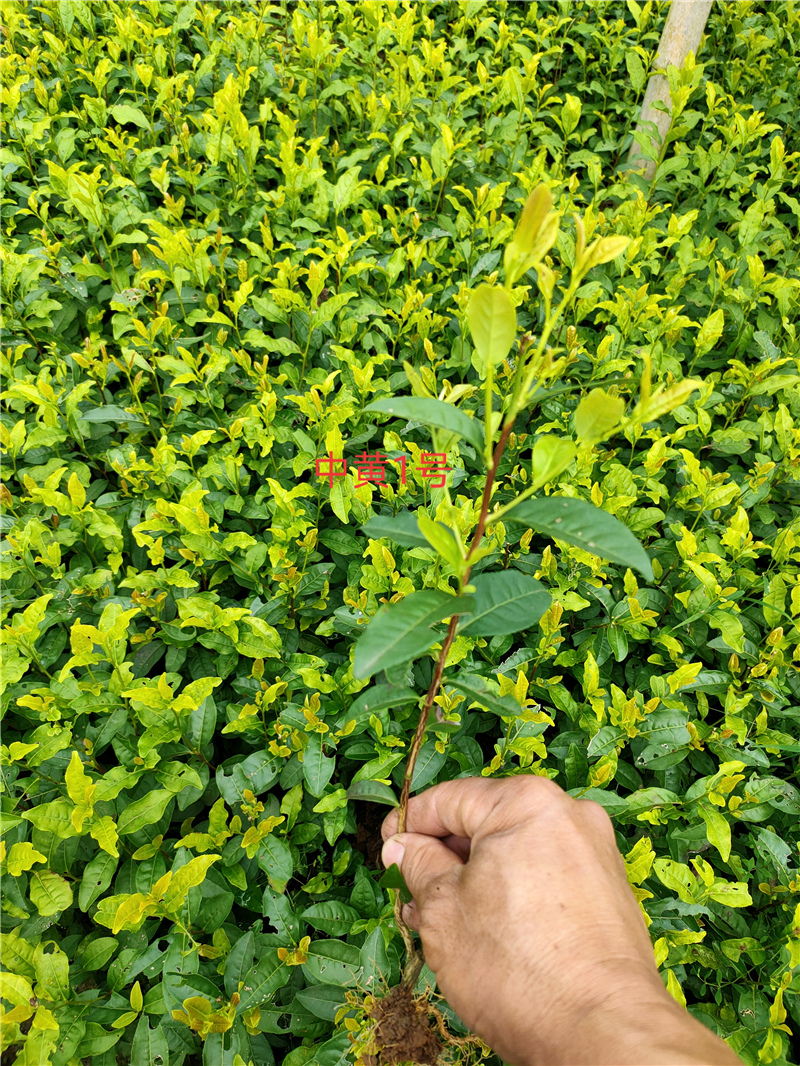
(392, 852)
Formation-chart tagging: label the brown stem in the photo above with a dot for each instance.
(414, 963)
(487, 489)
(419, 733)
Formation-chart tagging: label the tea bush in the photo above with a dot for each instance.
(230, 229)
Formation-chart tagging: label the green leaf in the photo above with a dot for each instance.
(145, 811)
(433, 413)
(97, 876)
(635, 69)
(378, 698)
(645, 799)
(109, 413)
(373, 792)
(240, 961)
(718, 830)
(401, 631)
(505, 602)
(442, 540)
(278, 908)
(124, 113)
(266, 977)
(393, 878)
(66, 15)
(477, 688)
(764, 341)
(323, 1001)
(492, 322)
(375, 966)
(275, 859)
(585, 526)
(50, 893)
(150, 1047)
(84, 15)
(597, 415)
(549, 457)
(317, 766)
(666, 732)
(97, 953)
(429, 762)
(730, 626)
(331, 917)
(402, 529)
(202, 723)
(332, 962)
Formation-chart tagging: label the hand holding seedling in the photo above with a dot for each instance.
(528, 922)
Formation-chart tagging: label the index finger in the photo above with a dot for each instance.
(474, 806)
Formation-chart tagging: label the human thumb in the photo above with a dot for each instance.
(422, 861)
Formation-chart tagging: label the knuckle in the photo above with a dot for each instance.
(598, 816)
(531, 789)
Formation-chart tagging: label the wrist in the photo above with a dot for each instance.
(637, 1027)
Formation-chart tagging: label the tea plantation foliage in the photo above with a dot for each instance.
(229, 227)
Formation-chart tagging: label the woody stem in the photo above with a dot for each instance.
(419, 732)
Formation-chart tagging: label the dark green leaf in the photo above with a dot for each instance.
(317, 766)
(332, 962)
(505, 602)
(109, 413)
(401, 631)
(324, 1001)
(150, 1047)
(373, 791)
(433, 413)
(263, 980)
(585, 526)
(331, 917)
(275, 859)
(392, 878)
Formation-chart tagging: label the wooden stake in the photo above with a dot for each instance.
(682, 34)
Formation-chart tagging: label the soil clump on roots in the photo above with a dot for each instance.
(402, 1030)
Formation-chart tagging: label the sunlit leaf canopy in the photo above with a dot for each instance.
(235, 236)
